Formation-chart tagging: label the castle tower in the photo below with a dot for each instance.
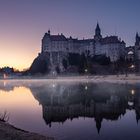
(45, 41)
(97, 35)
(137, 52)
(137, 44)
(137, 39)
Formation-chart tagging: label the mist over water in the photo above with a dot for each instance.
(73, 110)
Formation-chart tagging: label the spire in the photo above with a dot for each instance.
(98, 35)
(97, 26)
(137, 39)
(137, 35)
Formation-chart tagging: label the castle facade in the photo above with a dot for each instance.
(58, 47)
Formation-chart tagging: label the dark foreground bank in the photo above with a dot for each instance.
(9, 132)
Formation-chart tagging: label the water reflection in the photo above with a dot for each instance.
(98, 101)
(67, 101)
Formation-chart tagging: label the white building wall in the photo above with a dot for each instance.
(98, 48)
(62, 48)
(114, 50)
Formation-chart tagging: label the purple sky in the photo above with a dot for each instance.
(24, 22)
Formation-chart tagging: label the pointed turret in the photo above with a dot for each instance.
(137, 39)
(98, 30)
(97, 35)
(137, 35)
(49, 32)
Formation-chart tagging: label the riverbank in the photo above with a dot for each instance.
(131, 78)
(82, 78)
(9, 132)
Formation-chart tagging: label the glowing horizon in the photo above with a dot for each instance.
(20, 60)
(23, 24)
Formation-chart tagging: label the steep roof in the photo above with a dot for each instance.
(58, 38)
(97, 26)
(86, 41)
(82, 41)
(111, 40)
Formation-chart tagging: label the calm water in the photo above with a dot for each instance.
(73, 111)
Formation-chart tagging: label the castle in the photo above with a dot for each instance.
(58, 47)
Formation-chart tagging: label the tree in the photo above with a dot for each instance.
(65, 64)
(57, 69)
(101, 59)
(73, 59)
(82, 63)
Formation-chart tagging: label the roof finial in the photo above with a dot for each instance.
(49, 32)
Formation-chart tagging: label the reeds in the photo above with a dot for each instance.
(4, 117)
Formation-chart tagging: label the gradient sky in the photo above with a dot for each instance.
(24, 22)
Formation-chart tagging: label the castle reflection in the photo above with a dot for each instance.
(62, 101)
(98, 101)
